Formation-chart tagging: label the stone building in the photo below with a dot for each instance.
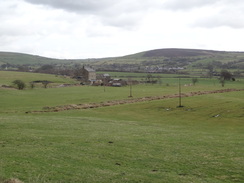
(88, 74)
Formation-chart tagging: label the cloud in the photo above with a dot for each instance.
(186, 5)
(210, 13)
(101, 28)
(97, 7)
(223, 20)
(222, 14)
(79, 6)
(125, 14)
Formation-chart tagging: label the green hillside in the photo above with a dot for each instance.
(27, 59)
(162, 60)
(7, 77)
(157, 60)
(146, 141)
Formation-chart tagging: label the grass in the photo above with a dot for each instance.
(142, 142)
(13, 101)
(138, 76)
(7, 77)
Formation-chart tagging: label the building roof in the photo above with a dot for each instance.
(89, 69)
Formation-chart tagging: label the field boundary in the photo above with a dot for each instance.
(127, 101)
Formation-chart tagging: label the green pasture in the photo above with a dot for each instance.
(138, 76)
(193, 73)
(7, 77)
(17, 101)
(202, 142)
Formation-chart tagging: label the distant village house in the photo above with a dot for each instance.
(87, 75)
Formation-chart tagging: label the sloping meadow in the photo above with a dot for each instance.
(150, 141)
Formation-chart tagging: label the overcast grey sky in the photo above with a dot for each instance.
(105, 28)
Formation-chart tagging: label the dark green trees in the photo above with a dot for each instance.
(20, 84)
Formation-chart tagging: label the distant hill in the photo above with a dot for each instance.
(170, 52)
(158, 58)
(177, 52)
(27, 59)
(174, 58)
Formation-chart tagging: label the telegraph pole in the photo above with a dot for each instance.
(180, 93)
(130, 81)
(103, 83)
(130, 89)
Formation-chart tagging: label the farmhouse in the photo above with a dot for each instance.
(88, 74)
(106, 78)
(117, 82)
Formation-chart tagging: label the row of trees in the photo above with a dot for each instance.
(224, 76)
(74, 70)
(21, 84)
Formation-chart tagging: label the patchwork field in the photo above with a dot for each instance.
(150, 141)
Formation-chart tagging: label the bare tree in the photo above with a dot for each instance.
(222, 82)
(210, 68)
(45, 83)
(194, 81)
(225, 75)
(32, 85)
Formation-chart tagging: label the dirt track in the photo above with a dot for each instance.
(127, 101)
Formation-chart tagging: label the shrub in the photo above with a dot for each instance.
(20, 84)
(226, 75)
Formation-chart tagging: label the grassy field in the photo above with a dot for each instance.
(138, 76)
(156, 141)
(7, 77)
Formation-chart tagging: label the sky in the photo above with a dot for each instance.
(77, 29)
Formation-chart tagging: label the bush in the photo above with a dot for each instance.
(20, 84)
(225, 75)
